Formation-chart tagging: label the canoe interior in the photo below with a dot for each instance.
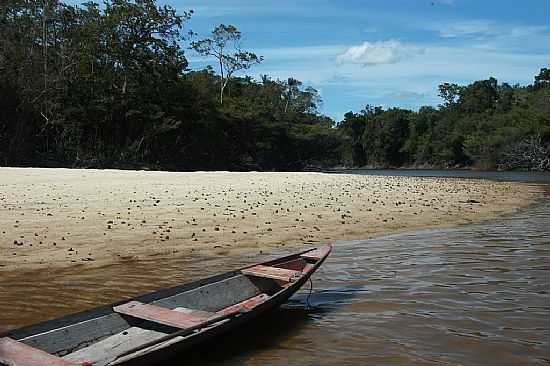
(82, 336)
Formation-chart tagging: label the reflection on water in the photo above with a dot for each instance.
(474, 295)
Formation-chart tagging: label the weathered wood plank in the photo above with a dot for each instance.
(14, 353)
(101, 330)
(246, 304)
(275, 273)
(317, 253)
(164, 341)
(66, 338)
(109, 349)
(210, 297)
(158, 314)
(104, 351)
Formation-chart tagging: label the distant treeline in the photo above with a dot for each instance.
(109, 86)
(485, 125)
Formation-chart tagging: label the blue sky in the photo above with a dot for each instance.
(383, 52)
(390, 53)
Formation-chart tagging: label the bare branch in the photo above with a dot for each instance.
(224, 46)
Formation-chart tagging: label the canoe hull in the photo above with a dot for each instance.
(87, 335)
(180, 347)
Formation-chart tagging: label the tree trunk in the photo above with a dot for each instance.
(222, 86)
(45, 43)
(221, 91)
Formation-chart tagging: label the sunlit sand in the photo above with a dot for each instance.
(63, 217)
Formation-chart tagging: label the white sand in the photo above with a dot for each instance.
(59, 217)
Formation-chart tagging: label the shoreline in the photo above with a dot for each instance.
(56, 218)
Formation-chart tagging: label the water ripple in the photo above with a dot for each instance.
(477, 294)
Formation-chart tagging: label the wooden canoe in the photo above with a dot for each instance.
(154, 327)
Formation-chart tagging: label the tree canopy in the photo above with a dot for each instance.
(109, 86)
(484, 124)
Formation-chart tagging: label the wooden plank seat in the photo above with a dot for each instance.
(102, 352)
(183, 318)
(275, 273)
(14, 353)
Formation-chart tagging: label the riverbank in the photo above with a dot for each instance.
(64, 217)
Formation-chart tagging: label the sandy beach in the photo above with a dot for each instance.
(62, 217)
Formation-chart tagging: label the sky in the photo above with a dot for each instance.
(383, 52)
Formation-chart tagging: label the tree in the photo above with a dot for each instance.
(505, 97)
(543, 78)
(353, 126)
(528, 153)
(479, 97)
(449, 92)
(419, 146)
(291, 91)
(224, 45)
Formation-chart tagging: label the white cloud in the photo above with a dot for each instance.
(529, 30)
(407, 95)
(476, 28)
(410, 83)
(304, 52)
(407, 75)
(488, 30)
(378, 53)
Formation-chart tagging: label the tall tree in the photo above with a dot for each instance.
(449, 92)
(543, 78)
(291, 91)
(480, 96)
(224, 44)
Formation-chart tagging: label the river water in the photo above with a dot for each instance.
(476, 294)
(470, 295)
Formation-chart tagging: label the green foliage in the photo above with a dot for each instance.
(108, 86)
(353, 126)
(481, 96)
(481, 124)
(542, 80)
(449, 92)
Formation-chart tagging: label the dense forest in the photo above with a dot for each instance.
(109, 86)
(484, 125)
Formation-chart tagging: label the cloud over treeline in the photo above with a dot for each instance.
(378, 53)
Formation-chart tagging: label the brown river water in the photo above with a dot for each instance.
(476, 294)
